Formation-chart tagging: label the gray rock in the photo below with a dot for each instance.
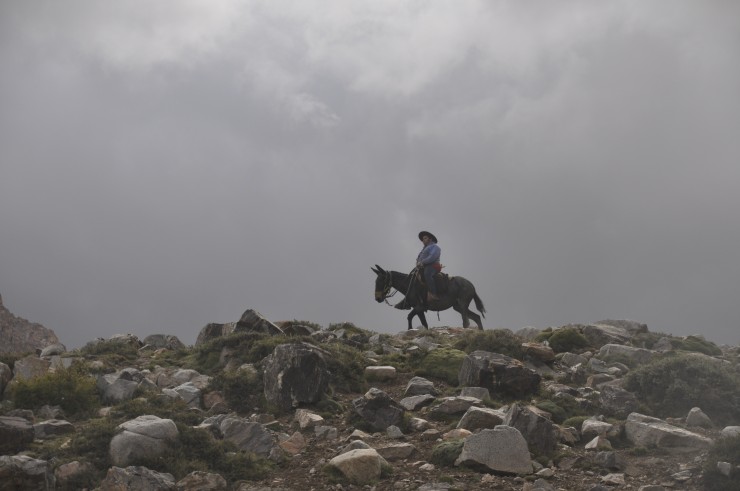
(378, 409)
(15, 434)
(414, 403)
(203, 481)
(419, 386)
(307, 419)
(638, 356)
(253, 321)
(593, 427)
(380, 373)
(499, 373)
(138, 478)
(163, 341)
(646, 431)
(477, 418)
(248, 435)
(540, 433)
(502, 449)
(52, 428)
(187, 392)
(398, 451)
(30, 367)
(697, 417)
(478, 392)
(294, 374)
(362, 466)
(453, 405)
(142, 438)
(573, 359)
(730, 431)
(116, 387)
(24, 472)
(617, 402)
(53, 350)
(601, 334)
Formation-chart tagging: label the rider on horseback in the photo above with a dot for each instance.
(428, 262)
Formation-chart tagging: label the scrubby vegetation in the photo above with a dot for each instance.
(724, 450)
(73, 389)
(443, 364)
(501, 341)
(565, 339)
(672, 385)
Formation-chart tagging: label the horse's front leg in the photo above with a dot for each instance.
(410, 318)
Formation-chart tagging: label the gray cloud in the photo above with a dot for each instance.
(164, 168)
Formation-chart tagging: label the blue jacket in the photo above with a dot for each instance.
(429, 255)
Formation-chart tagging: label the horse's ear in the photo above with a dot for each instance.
(380, 270)
(374, 270)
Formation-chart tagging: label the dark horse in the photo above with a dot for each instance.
(458, 296)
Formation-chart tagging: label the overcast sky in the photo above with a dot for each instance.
(168, 164)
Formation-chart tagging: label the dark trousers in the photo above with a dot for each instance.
(429, 272)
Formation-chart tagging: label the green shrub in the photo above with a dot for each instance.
(574, 422)
(566, 339)
(242, 389)
(347, 366)
(73, 389)
(90, 443)
(558, 413)
(443, 364)
(446, 453)
(501, 341)
(724, 450)
(112, 352)
(696, 344)
(671, 386)
(197, 449)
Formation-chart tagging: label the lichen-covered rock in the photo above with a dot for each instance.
(500, 374)
(295, 373)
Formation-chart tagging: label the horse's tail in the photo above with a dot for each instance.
(479, 305)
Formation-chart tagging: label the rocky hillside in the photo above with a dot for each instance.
(21, 336)
(257, 405)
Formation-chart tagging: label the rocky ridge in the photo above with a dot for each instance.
(404, 428)
(21, 336)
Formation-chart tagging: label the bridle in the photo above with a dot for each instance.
(387, 287)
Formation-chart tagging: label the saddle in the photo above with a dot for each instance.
(441, 280)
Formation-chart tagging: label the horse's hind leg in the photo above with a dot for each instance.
(463, 311)
(476, 318)
(423, 319)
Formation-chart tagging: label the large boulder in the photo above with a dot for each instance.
(15, 434)
(119, 386)
(142, 438)
(378, 410)
(139, 478)
(418, 386)
(253, 321)
(213, 331)
(478, 418)
(601, 334)
(646, 431)
(616, 401)
(502, 449)
(248, 435)
(500, 374)
(360, 466)
(24, 472)
(294, 374)
(637, 356)
(30, 367)
(540, 433)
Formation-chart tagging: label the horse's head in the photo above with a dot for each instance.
(382, 283)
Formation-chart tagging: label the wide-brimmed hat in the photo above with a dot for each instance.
(428, 234)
